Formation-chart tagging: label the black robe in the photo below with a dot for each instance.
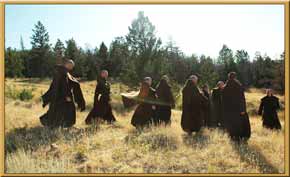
(164, 95)
(207, 121)
(268, 108)
(62, 112)
(144, 113)
(216, 108)
(234, 102)
(102, 108)
(194, 105)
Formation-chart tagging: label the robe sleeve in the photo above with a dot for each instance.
(51, 94)
(261, 107)
(78, 95)
(243, 101)
(98, 91)
(278, 104)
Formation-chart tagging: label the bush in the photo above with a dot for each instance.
(25, 95)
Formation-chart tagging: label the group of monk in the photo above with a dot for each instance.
(224, 107)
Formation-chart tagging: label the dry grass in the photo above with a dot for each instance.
(119, 148)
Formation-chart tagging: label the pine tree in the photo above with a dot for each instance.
(143, 43)
(59, 51)
(39, 64)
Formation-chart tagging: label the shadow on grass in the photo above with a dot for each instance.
(30, 139)
(251, 155)
(195, 140)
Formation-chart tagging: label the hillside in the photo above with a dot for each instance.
(119, 148)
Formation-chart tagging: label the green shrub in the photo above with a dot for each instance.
(25, 95)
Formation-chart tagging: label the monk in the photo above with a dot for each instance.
(236, 120)
(216, 99)
(144, 113)
(268, 108)
(64, 91)
(164, 95)
(205, 93)
(193, 106)
(102, 109)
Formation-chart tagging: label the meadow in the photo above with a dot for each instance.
(119, 148)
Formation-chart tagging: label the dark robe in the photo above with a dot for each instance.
(62, 112)
(216, 108)
(234, 102)
(194, 104)
(102, 108)
(144, 113)
(164, 94)
(207, 121)
(268, 108)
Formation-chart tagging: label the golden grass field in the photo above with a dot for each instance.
(119, 148)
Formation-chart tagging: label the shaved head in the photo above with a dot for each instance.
(104, 74)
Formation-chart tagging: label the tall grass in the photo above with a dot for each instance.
(120, 148)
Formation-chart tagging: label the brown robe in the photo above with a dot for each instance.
(194, 105)
(102, 108)
(234, 102)
(216, 118)
(164, 95)
(144, 113)
(268, 108)
(62, 112)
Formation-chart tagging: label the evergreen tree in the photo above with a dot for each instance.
(243, 65)
(59, 51)
(13, 63)
(39, 64)
(143, 43)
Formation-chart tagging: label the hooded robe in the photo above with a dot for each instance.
(164, 94)
(144, 113)
(194, 105)
(62, 112)
(216, 108)
(268, 108)
(102, 108)
(234, 103)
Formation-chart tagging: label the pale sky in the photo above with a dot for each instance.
(196, 29)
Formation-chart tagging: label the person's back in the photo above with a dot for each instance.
(236, 120)
(268, 109)
(193, 105)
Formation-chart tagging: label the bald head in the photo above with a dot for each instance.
(104, 74)
(269, 92)
(148, 80)
(220, 84)
(194, 79)
(69, 64)
(232, 75)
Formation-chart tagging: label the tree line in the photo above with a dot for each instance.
(141, 53)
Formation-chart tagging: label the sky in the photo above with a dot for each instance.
(196, 29)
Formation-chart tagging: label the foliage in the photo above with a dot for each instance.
(141, 53)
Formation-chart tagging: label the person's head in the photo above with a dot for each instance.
(104, 74)
(69, 64)
(148, 80)
(165, 78)
(232, 75)
(205, 87)
(269, 92)
(220, 84)
(194, 79)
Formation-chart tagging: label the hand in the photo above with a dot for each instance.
(243, 113)
(68, 99)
